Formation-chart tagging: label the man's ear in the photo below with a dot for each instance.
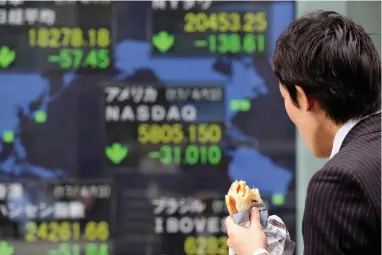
(303, 101)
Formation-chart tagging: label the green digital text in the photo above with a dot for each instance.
(189, 155)
(78, 58)
(233, 43)
(76, 249)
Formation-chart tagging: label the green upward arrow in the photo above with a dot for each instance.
(163, 41)
(7, 56)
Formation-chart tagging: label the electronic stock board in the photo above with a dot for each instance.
(124, 123)
(204, 29)
(55, 35)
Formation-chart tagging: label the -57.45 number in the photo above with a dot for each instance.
(76, 58)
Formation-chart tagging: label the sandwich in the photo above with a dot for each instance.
(241, 198)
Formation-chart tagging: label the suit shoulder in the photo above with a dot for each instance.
(356, 165)
(361, 157)
(334, 176)
(356, 168)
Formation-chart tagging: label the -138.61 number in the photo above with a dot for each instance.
(234, 43)
(206, 245)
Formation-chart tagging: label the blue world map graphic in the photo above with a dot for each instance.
(22, 95)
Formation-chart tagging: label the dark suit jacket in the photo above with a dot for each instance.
(343, 204)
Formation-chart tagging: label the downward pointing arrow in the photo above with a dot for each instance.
(117, 152)
(163, 41)
(7, 56)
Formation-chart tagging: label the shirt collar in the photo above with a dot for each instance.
(342, 132)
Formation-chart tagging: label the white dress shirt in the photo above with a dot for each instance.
(342, 132)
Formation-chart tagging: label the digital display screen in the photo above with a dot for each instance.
(124, 123)
(200, 223)
(211, 28)
(163, 123)
(60, 34)
(55, 217)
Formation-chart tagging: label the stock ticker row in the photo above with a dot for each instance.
(64, 35)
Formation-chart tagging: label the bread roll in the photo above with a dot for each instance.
(240, 197)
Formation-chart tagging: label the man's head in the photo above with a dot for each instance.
(329, 73)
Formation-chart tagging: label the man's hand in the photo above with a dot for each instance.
(245, 241)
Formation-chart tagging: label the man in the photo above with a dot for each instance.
(330, 79)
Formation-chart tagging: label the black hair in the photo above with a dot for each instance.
(334, 61)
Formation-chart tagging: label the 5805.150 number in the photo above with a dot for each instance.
(176, 133)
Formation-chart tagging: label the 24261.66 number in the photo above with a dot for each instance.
(65, 231)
